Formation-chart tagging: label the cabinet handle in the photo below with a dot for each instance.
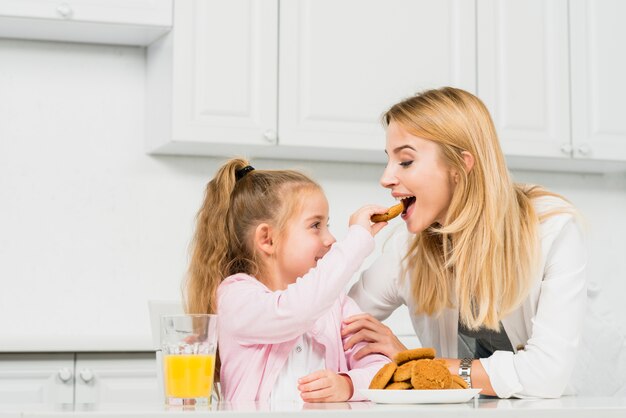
(65, 375)
(566, 149)
(583, 149)
(270, 136)
(64, 10)
(86, 375)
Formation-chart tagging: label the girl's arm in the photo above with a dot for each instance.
(361, 369)
(252, 314)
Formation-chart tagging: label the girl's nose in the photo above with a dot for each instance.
(388, 179)
(329, 239)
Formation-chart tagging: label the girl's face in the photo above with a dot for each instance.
(417, 173)
(306, 239)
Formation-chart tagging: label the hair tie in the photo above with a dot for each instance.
(241, 173)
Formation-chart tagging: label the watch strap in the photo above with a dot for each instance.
(465, 371)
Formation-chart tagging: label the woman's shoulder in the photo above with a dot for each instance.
(551, 202)
(556, 216)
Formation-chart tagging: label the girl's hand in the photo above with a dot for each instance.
(325, 386)
(377, 336)
(363, 215)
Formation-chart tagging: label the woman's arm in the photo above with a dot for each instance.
(378, 292)
(543, 368)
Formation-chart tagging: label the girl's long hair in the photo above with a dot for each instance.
(483, 259)
(232, 209)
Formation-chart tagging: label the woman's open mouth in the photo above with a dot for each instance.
(407, 202)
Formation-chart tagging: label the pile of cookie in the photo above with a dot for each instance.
(416, 369)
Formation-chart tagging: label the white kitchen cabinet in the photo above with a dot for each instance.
(37, 378)
(211, 82)
(116, 378)
(127, 22)
(343, 63)
(552, 111)
(598, 54)
(78, 378)
(523, 74)
(232, 78)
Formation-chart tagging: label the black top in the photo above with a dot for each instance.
(483, 342)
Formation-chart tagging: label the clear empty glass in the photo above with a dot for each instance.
(188, 345)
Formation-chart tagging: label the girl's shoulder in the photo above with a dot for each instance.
(240, 280)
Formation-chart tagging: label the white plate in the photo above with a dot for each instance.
(420, 396)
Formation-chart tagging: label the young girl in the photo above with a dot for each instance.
(265, 261)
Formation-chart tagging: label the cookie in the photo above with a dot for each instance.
(458, 382)
(391, 213)
(403, 372)
(383, 376)
(428, 374)
(399, 386)
(415, 354)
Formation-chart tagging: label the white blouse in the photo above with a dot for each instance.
(306, 357)
(545, 331)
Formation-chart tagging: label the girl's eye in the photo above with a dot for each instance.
(316, 225)
(406, 163)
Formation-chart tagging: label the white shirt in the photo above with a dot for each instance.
(306, 357)
(548, 325)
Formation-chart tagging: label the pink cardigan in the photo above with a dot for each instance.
(258, 328)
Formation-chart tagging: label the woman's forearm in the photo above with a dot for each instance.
(479, 376)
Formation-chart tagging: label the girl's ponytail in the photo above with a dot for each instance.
(210, 247)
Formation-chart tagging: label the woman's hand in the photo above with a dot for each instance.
(325, 386)
(366, 328)
(363, 215)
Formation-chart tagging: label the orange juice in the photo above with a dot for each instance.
(188, 375)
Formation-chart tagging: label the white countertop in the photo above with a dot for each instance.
(566, 407)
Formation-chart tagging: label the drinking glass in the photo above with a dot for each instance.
(188, 345)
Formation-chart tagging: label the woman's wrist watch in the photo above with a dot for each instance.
(465, 371)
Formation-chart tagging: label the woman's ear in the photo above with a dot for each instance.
(468, 159)
(263, 239)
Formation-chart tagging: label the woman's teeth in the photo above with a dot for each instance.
(407, 201)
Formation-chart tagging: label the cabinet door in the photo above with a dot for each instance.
(223, 82)
(523, 75)
(140, 12)
(37, 378)
(120, 22)
(598, 41)
(116, 378)
(343, 63)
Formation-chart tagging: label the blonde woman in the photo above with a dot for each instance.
(491, 270)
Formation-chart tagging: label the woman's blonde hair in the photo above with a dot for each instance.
(483, 259)
(231, 211)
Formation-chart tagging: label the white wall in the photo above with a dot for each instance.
(91, 227)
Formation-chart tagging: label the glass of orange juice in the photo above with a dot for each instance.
(188, 345)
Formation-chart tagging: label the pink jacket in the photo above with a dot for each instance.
(258, 328)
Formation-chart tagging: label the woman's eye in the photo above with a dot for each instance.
(406, 163)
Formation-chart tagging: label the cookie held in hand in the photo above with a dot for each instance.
(391, 213)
